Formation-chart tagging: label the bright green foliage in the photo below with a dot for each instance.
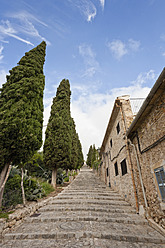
(21, 108)
(13, 194)
(36, 168)
(58, 142)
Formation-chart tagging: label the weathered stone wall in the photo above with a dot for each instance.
(116, 151)
(151, 129)
(20, 214)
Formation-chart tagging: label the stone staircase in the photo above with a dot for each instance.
(85, 214)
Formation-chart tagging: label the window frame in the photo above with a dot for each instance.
(156, 171)
(123, 164)
(116, 169)
(118, 128)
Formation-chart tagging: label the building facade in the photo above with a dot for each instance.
(133, 153)
(146, 137)
(115, 168)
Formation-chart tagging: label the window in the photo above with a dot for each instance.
(111, 142)
(160, 176)
(118, 128)
(107, 172)
(123, 167)
(116, 169)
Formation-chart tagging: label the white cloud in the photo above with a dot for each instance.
(102, 2)
(133, 45)
(21, 23)
(3, 74)
(86, 8)
(1, 55)
(6, 30)
(91, 111)
(89, 57)
(25, 24)
(119, 48)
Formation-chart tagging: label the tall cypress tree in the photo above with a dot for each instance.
(89, 156)
(74, 151)
(58, 140)
(80, 154)
(21, 110)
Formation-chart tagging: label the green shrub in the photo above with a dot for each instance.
(13, 192)
(66, 179)
(47, 188)
(60, 176)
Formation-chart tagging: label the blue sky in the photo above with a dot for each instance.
(106, 48)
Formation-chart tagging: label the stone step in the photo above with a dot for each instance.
(79, 242)
(87, 218)
(114, 209)
(80, 213)
(85, 234)
(85, 197)
(85, 214)
(91, 194)
(88, 202)
(74, 192)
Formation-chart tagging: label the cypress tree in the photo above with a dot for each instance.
(58, 140)
(89, 156)
(21, 110)
(74, 150)
(80, 154)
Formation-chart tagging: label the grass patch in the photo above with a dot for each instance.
(47, 188)
(5, 214)
(66, 179)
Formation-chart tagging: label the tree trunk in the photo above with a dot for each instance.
(67, 172)
(3, 178)
(22, 187)
(54, 175)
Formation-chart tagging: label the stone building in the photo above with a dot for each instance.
(115, 169)
(146, 137)
(133, 153)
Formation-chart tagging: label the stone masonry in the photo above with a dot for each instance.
(85, 214)
(114, 150)
(147, 134)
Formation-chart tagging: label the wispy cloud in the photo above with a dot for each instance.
(1, 55)
(89, 57)
(6, 30)
(119, 48)
(102, 2)
(86, 8)
(21, 23)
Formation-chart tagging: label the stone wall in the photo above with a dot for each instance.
(20, 214)
(115, 150)
(150, 148)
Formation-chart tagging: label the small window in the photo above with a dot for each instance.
(107, 172)
(111, 142)
(116, 169)
(118, 128)
(123, 167)
(160, 176)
